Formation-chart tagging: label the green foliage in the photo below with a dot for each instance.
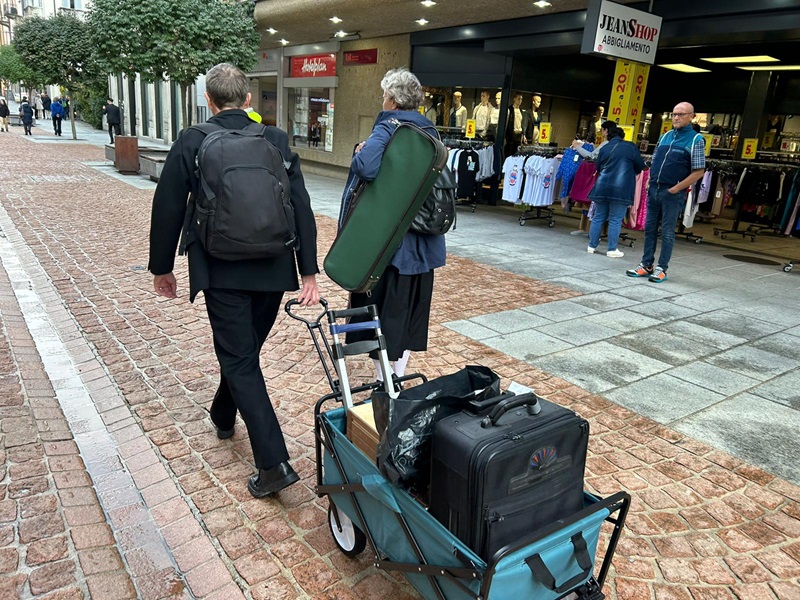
(14, 69)
(91, 96)
(59, 48)
(172, 39)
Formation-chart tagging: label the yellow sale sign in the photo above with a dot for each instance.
(666, 126)
(709, 140)
(470, 133)
(628, 129)
(545, 133)
(750, 148)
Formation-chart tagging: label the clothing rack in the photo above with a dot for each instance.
(753, 229)
(462, 143)
(538, 212)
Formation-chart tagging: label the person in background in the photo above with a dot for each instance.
(404, 292)
(26, 115)
(593, 135)
(46, 102)
(679, 161)
(5, 115)
(618, 163)
(39, 105)
(113, 118)
(57, 112)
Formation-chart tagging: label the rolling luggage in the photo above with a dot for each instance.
(499, 477)
(382, 210)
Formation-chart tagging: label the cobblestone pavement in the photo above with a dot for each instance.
(115, 486)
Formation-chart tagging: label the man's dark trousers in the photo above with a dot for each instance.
(241, 321)
(114, 128)
(57, 125)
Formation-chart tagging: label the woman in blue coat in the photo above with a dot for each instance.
(404, 292)
(618, 163)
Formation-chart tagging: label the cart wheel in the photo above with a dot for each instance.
(724, 237)
(474, 207)
(787, 268)
(551, 224)
(632, 244)
(350, 539)
(697, 241)
(716, 232)
(522, 220)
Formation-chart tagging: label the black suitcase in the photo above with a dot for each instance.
(497, 478)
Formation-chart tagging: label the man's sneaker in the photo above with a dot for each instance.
(590, 250)
(615, 254)
(640, 271)
(658, 275)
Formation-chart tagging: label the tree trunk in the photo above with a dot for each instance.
(184, 105)
(72, 115)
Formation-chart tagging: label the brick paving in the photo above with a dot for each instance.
(703, 524)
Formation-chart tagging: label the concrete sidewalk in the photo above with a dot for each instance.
(115, 485)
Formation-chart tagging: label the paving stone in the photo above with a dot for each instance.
(526, 345)
(784, 389)
(713, 378)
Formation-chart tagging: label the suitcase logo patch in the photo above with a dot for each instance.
(543, 458)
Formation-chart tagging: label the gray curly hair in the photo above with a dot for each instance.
(402, 86)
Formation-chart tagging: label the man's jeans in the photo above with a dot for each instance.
(662, 208)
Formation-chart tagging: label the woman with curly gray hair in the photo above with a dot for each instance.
(404, 292)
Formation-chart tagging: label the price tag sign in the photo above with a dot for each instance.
(666, 126)
(545, 132)
(628, 129)
(471, 127)
(769, 139)
(716, 140)
(709, 139)
(750, 148)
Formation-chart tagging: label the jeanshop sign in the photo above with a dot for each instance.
(318, 65)
(617, 31)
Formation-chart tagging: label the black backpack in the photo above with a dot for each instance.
(242, 209)
(438, 212)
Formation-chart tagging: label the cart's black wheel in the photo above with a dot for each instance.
(473, 208)
(724, 237)
(697, 241)
(787, 268)
(716, 232)
(632, 244)
(522, 220)
(350, 539)
(551, 224)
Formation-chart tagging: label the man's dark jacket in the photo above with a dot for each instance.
(112, 114)
(178, 181)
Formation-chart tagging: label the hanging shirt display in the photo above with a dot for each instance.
(512, 183)
(467, 173)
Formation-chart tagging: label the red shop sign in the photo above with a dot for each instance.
(361, 57)
(318, 65)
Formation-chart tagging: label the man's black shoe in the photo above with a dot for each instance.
(269, 481)
(224, 434)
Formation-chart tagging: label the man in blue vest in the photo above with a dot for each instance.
(679, 161)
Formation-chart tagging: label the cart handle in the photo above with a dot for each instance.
(288, 308)
(545, 577)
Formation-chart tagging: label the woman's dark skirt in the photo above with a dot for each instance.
(404, 308)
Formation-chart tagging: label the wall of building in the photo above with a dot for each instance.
(357, 102)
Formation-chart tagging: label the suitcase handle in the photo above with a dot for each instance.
(545, 577)
(531, 401)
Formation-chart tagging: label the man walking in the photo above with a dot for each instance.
(242, 296)
(46, 102)
(111, 111)
(679, 161)
(26, 115)
(57, 110)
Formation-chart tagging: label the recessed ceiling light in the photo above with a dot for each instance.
(428, 3)
(542, 4)
(685, 68)
(772, 68)
(335, 20)
(272, 31)
(422, 21)
(741, 59)
(283, 41)
(341, 33)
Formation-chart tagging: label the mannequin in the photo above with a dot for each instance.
(593, 134)
(458, 114)
(531, 124)
(430, 110)
(514, 125)
(481, 114)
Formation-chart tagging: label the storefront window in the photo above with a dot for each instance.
(311, 118)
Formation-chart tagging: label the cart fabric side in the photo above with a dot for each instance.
(545, 569)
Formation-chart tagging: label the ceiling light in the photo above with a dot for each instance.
(341, 34)
(428, 3)
(422, 21)
(741, 59)
(685, 68)
(772, 68)
(283, 41)
(271, 31)
(335, 20)
(542, 4)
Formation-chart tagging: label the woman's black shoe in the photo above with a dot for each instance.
(224, 434)
(269, 481)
